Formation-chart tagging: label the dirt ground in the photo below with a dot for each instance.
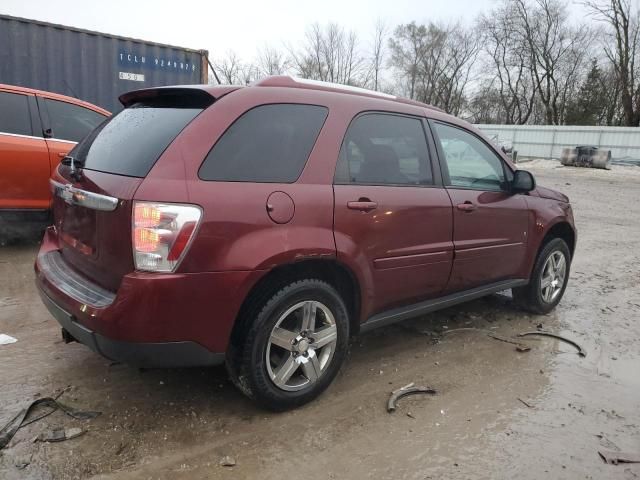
(178, 424)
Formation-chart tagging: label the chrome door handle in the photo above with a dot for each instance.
(363, 205)
(467, 206)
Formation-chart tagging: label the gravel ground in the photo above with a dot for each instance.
(498, 413)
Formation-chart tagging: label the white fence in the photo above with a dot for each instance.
(548, 141)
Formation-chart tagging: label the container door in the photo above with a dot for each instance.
(24, 158)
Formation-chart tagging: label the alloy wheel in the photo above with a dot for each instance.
(301, 345)
(554, 275)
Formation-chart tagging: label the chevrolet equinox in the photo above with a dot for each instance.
(264, 226)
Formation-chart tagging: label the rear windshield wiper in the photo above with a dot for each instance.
(74, 163)
(70, 161)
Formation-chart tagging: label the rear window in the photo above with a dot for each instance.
(270, 143)
(131, 141)
(15, 116)
(71, 122)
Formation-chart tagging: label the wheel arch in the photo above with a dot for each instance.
(330, 271)
(563, 230)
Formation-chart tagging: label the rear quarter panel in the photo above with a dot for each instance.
(236, 232)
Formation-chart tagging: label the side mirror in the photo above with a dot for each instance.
(523, 182)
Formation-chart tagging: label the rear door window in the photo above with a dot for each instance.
(71, 122)
(130, 142)
(385, 149)
(14, 114)
(270, 143)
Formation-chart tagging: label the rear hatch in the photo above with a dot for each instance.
(93, 194)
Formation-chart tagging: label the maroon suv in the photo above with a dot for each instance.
(263, 226)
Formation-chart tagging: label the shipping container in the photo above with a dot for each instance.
(92, 66)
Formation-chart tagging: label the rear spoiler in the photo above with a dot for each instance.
(196, 96)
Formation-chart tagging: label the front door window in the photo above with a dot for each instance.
(470, 162)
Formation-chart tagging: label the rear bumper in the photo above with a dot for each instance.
(153, 319)
(159, 355)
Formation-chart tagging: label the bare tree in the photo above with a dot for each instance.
(623, 51)
(272, 62)
(534, 66)
(330, 54)
(229, 68)
(408, 48)
(433, 63)
(461, 52)
(614, 113)
(485, 105)
(557, 52)
(378, 51)
(233, 71)
(510, 76)
(248, 73)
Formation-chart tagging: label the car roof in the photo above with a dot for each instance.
(317, 91)
(286, 81)
(304, 83)
(54, 96)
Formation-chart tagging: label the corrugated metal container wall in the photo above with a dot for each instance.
(92, 66)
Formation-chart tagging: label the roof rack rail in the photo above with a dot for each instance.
(296, 82)
(289, 81)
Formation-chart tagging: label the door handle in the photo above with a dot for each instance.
(467, 206)
(363, 205)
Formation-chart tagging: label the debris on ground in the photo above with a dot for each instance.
(463, 329)
(60, 434)
(526, 404)
(606, 443)
(520, 347)
(20, 420)
(22, 463)
(121, 447)
(409, 389)
(586, 156)
(614, 458)
(544, 333)
(7, 339)
(228, 461)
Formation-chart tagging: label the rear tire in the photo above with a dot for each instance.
(548, 280)
(294, 347)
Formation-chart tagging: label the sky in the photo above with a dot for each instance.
(242, 26)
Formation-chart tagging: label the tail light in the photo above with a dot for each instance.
(162, 233)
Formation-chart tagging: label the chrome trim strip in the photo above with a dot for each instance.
(63, 141)
(21, 136)
(83, 198)
(37, 138)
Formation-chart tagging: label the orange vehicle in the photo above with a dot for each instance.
(37, 130)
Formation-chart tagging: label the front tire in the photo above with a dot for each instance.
(294, 347)
(548, 280)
